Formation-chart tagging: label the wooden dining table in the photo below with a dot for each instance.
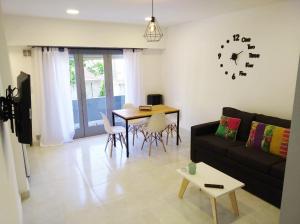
(135, 113)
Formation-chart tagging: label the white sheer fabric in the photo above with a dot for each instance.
(52, 97)
(134, 90)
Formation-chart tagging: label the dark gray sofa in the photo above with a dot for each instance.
(262, 173)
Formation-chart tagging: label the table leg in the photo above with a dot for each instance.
(214, 210)
(185, 182)
(234, 203)
(127, 142)
(114, 123)
(177, 130)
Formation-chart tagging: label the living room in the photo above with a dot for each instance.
(201, 64)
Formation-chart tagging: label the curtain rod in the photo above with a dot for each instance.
(95, 48)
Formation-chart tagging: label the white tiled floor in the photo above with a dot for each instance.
(79, 183)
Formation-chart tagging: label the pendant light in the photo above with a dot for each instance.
(153, 32)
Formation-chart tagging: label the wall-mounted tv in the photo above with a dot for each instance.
(22, 106)
(16, 107)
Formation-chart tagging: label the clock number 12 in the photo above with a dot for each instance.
(236, 37)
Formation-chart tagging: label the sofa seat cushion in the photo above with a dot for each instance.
(253, 158)
(216, 144)
(277, 170)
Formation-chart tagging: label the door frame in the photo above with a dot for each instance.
(85, 130)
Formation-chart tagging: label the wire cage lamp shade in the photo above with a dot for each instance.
(153, 32)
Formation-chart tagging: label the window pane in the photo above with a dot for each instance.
(95, 88)
(74, 91)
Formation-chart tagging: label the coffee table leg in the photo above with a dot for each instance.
(234, 203)
(214, 210)
(183, 187)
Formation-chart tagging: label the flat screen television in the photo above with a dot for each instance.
(22, 109)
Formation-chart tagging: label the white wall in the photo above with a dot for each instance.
(22, 31)
(194, 82)
(291, 198)
(19, 62)
(10, 205)
(151, 70)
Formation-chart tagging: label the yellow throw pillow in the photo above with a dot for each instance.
(280, 141)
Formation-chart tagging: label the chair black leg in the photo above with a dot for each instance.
(150, 144)
(111, 147)
(123, 139)
(108, 138)
(145, 139)
(168, 132)
(120, 139)
(162, 142)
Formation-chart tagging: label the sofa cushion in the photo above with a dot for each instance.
(215, 144)
(246, 120)
(277, 170)
(260, 136)
(280, 141)
(228, 127)
(255, 159)
(273, 120)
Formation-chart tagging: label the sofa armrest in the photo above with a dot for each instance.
(204, 129)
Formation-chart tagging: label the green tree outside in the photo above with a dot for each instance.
(96, 67)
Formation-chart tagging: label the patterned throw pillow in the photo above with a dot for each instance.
(260, 136)
(269, 138)
(280, 141)
(228, 127)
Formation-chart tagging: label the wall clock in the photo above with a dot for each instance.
(237, 56)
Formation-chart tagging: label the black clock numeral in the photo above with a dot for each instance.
(219, 55)
(221, 65)
(248, 65)
(236, 37)
(226, 73)
(251, 46)
(254, 55)
(233, 76)
(242, 73)
(246, 39)
(222, 46)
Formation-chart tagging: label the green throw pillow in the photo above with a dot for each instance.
(228, 127)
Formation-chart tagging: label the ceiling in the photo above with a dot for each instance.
(168, 12)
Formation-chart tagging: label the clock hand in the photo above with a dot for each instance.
(240, 52)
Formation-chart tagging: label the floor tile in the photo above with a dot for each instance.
(78, 183)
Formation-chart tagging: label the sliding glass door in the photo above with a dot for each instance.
(98, 85)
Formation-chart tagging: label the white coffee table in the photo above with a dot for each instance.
(206, 174)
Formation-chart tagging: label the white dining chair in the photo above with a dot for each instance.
(112, 131)
(153, 130)
(135, 125)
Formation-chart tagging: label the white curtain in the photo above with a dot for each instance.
(52, 109)
(134, 89)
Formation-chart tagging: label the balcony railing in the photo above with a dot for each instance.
(95, 106)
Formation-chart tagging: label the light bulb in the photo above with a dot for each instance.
(152, 27)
